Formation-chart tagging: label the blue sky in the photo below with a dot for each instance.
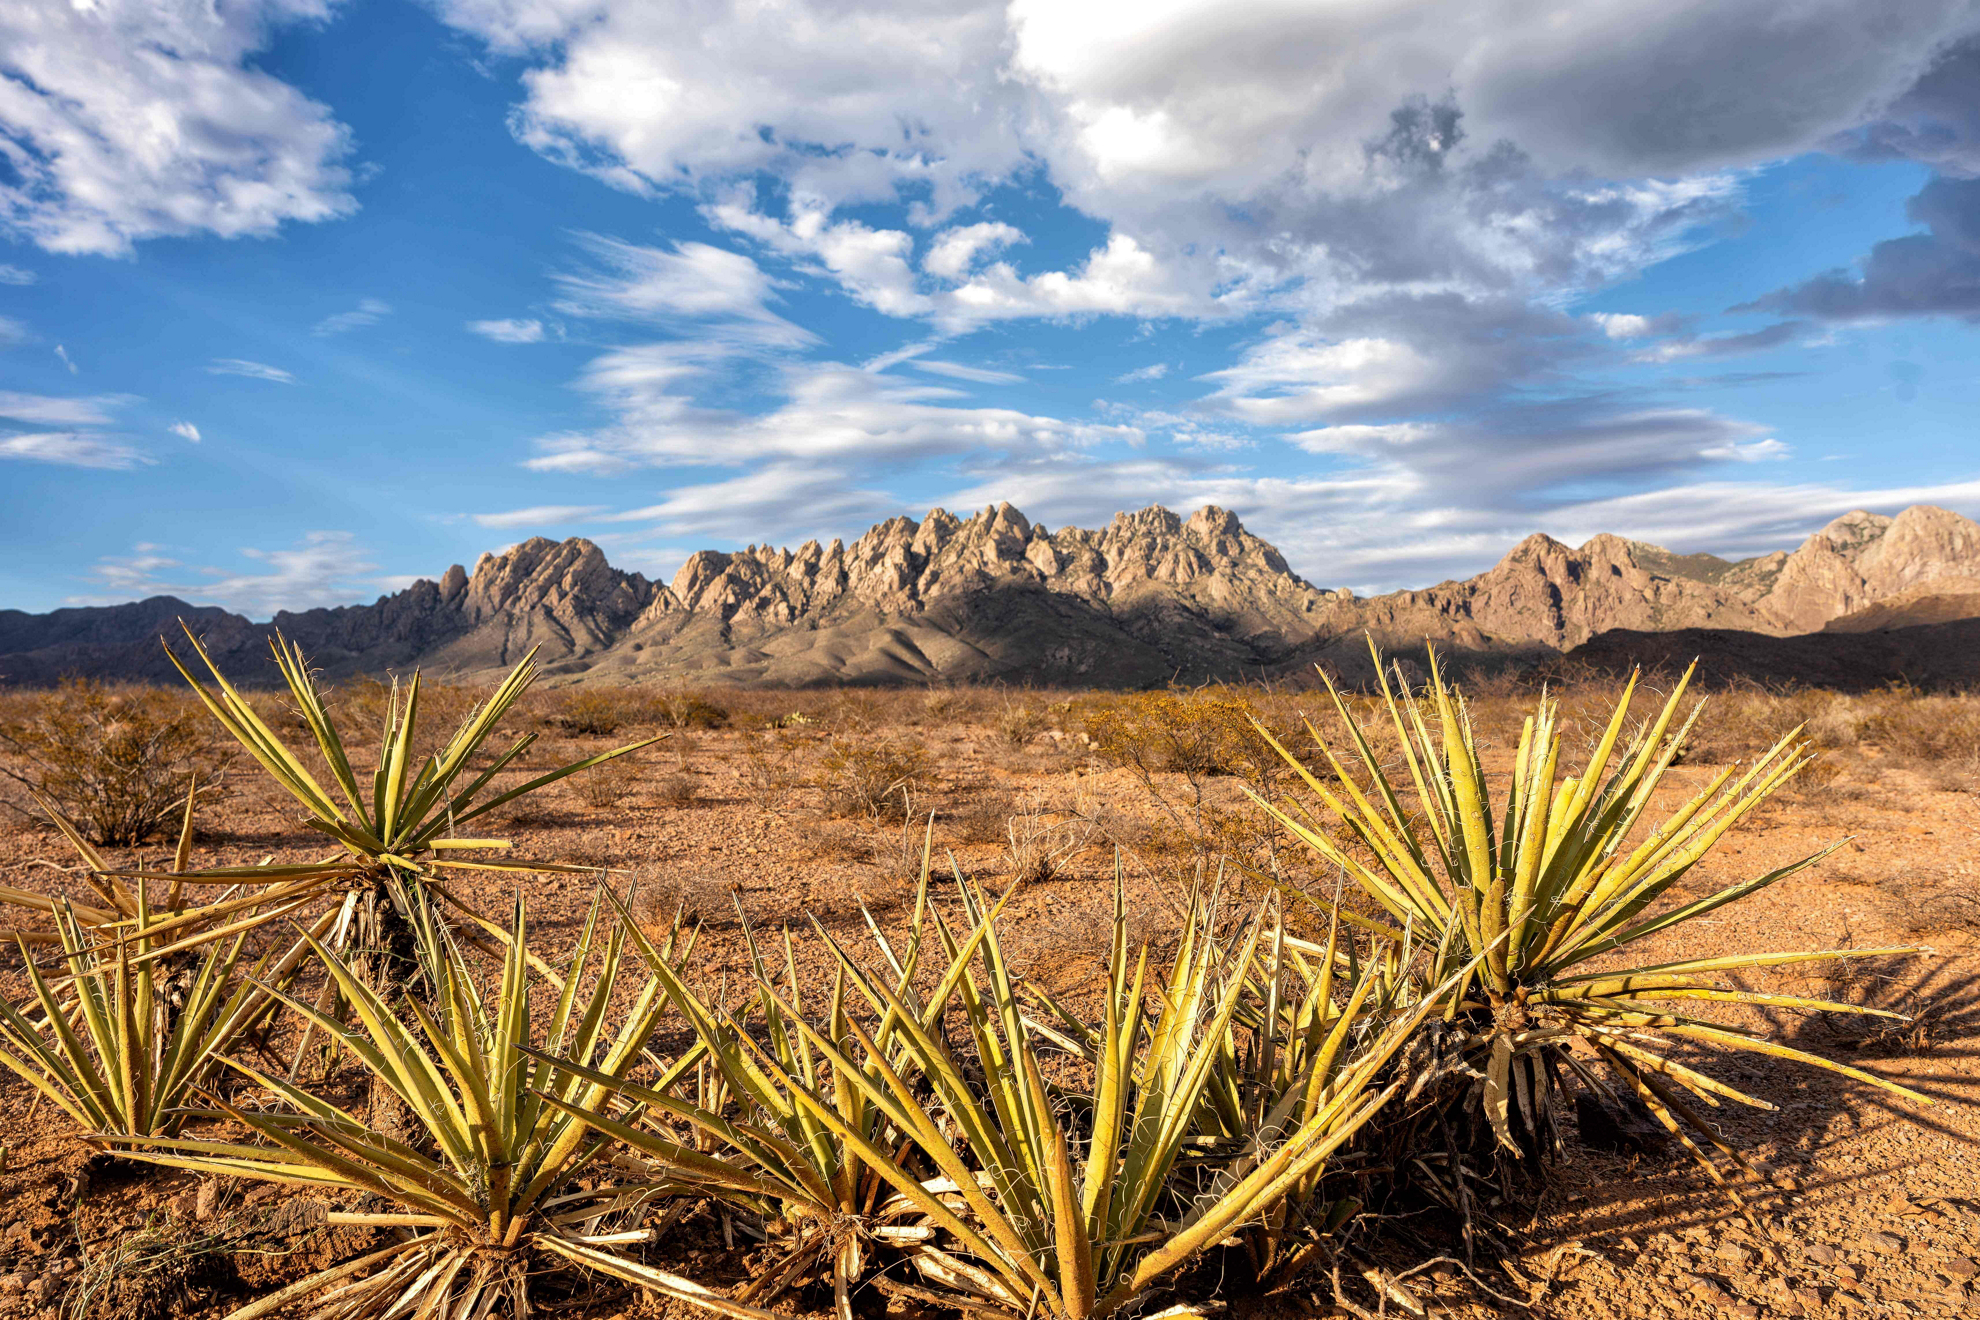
(300, 300)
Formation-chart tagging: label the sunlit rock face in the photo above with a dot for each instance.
(1152, 597)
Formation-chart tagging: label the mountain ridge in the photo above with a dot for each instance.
(1148, 598)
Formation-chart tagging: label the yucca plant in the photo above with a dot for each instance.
(489, 1181)
(1042, 1213)
(118, 1043)
(395, 830)
(1542, 897)
(751, 1138)
(115, 908)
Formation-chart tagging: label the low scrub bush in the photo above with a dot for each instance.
(598, 712)
(607, 785)
(871, 775)
(119, 761)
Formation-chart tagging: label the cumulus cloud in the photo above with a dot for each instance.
(72, 449)
(323, 568)
(509, 331)
(122, 120)
(185, 431)
(252, 370)
(369, 311)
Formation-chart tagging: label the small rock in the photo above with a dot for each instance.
(1883, 1243)
(1820, 1254)
(11, 1284)
(1745, 1311)
(1847, 1273)
(206, 1200)
(1734, 1253)
(1962, 1267)
(1808, 1296)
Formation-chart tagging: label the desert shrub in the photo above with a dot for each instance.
(597, 712)
(1907, 723)
(607, 785)
(679, 789)
(871, 776)
(1018, 722)
(769, 769)
(690, 710)
(117, 760)
(1040, 843)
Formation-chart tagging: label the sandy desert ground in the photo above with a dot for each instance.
(1875, 1202)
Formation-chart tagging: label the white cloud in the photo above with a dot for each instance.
(16, 275)
(252, 370)
(42, 410)
(185, 431)
(687, 283)
(71, 449)
(1622, 325)
(12, 332)
(67, 361)
(369, 311)
(122, 120)
(509, 331)
(324, 568)
(830, 411)
(960, 371)
(1153, 371)
(540, 514)
(955, 250)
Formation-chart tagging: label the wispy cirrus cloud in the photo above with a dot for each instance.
(541, 515)
(251, 370)
(72, 449)
(368, 312)
(321, 566)
(509, 331)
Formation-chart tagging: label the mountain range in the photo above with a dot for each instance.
(1152, 597)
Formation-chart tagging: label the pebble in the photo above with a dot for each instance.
(1883, 1243)
(1820, 1254)
(1746, 1311)
(11, 1283)
(1962, 1267)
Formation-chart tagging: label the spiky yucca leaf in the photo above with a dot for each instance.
(409, 814)
(498, 1124)
(753, 1139)
(107, 1043)
(1570, 868)
(1039, 1216)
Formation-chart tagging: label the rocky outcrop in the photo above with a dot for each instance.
(1151, 597)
